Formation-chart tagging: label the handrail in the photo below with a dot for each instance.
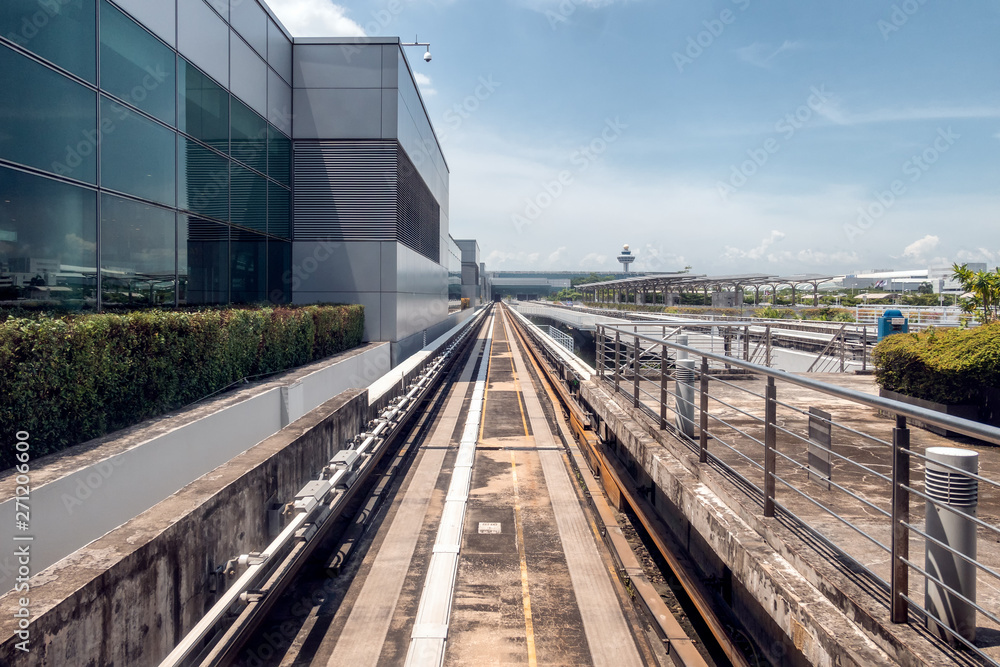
(957, 424)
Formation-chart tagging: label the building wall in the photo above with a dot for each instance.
(371, 189)
(147, 146)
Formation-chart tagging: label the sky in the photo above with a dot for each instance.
(729, 136)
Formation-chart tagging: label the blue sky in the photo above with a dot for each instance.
(730, 136)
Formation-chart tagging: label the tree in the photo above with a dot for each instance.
(985, 288)
(925, 288)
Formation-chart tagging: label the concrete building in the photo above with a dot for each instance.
(193, 152)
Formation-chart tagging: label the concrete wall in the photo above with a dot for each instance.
(157, 565)
(85, 491)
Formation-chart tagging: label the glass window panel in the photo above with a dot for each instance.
(206, 248)
(279, 271)
(135, 66)
(249, 138)
(249, 199)
(61, 31)
(202, 107)
(48, 240)
(137, 155)
(202, 180)
(279, 211)
(248, 267)
(49, 121)
(279, 156)
(138, 258)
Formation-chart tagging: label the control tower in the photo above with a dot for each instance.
(626, 258)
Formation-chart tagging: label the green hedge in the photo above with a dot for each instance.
(67, 380)
(948, 366)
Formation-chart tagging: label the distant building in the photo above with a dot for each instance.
(908, 280)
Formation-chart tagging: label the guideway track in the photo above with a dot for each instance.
(530, 587)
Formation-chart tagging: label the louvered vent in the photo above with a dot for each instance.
(345, 191)
(363, 191)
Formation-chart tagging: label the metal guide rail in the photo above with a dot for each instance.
(854, 483)
(219, 634)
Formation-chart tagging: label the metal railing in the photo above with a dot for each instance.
(832, 475)
(835, 349)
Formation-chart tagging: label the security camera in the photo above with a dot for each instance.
(427, 56)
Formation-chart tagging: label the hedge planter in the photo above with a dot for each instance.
(965, 411)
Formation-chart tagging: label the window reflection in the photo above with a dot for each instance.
(207, 254)
(202, 180)
(137, 155)
(249, 137)
(138, 260)
(249, 262)
(48, 240)
(62, 32)
(49, 121)
(203, 107)
(135, 66)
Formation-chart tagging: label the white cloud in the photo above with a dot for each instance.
(921, 247)
(977, 255)
(315, 18)
(754, 253)
(835, 112)
(762, 55)
(593, 259)
(424, 83)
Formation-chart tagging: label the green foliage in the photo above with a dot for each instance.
(592, 278)
(828, 314)
(949, 366)
(985, 287)
(772, 313)
(69, 379)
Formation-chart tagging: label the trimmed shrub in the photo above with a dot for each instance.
(67, 380)
(948, 366)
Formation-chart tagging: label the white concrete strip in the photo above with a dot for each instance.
(361, 640)
(611, 643)
(434, 610)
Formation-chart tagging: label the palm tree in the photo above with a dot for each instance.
(985, 288)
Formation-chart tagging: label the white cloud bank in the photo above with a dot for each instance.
(315, 18)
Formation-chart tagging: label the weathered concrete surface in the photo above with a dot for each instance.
(791, 620)
(130, 596)
(81, 493)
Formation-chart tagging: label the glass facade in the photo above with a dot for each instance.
(146, 182)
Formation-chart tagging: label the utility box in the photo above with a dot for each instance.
(892, 322)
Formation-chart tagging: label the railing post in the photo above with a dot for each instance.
(618, 363)
(703, 425)
(746, 343)
(864, 347)
(770, 438)
(635, 373)
(843, 344)
(663, 387)
(600, 352)
(900, 573)
(767, 334)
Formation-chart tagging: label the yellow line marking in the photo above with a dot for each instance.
(517, 383)
(529, 630)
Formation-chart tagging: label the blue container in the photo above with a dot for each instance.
(892, 322)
